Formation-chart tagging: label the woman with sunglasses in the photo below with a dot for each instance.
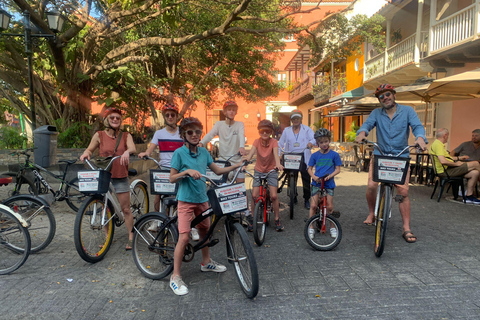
(106, 142)
(266, 149)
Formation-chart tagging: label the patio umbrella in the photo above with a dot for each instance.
(466, 83)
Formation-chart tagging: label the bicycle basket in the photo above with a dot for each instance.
(218, 179)
(293, 161)
(228, 199)
(160, 183)
(390, 169)
(94, 181)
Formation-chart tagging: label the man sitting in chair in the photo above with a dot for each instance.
(444, 162)
(469, 149)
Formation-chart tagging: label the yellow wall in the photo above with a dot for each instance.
(354, 77)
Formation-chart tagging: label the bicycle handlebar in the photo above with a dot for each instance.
(225, 184)
(97, 168)
(416, 145)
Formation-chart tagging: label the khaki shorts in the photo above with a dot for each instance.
(455, 171)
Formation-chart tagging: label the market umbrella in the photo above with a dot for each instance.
(466, 83)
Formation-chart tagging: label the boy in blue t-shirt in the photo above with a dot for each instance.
(327, 164)
(190, 162)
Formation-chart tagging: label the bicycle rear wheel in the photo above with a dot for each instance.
(153, 252)
(259, 223)
(383, 214)
(41, 221)
(292, 190)
(323, 239)
(73, 197)
(23, 185)
(240, 253)
(92, 239)
(139, 200)
(14, 243)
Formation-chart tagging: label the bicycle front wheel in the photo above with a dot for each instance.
(292, 190)
(383, 214)
(259, 223)
(41, 221)
(139, 201)
(18, 186)
(14, 243)
(323, 238)
(73, 196)
(153, 247)
(92, 236)
(240, 253)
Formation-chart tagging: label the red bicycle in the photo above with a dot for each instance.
(263, 209)
(322, 231)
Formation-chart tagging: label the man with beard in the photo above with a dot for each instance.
(469, 149)
(393, 122)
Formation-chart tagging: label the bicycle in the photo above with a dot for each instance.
(153, 250)
(100, 212)
(292, 165)
(322, 238)
(388, 170)
(14, 237)
(263, 209)
(68, 190)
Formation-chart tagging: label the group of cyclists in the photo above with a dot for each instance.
(181, 149)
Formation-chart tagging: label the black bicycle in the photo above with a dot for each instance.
(155, 237)
(25, 182)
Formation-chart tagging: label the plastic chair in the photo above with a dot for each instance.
(454, 182)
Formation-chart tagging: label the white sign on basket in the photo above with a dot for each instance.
(211, 175)
(389, 169)
(88, 181)
(161, 182)
(292, 161)
(232, 198)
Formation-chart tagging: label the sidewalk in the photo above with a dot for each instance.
(436, 278)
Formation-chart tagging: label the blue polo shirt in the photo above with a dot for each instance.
(189, 189)
(392, 134)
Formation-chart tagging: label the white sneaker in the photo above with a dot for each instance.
(194, 234)
(178, 286)
(333, 232)
(213, 266)
(311, 233)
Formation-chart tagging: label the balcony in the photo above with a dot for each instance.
(301, 93)
(325, 89)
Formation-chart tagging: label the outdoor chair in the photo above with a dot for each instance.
(453, 182)
(362, 158)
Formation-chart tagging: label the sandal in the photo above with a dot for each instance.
(409, 236)
(129, 245)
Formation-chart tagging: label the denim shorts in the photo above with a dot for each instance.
(272, 179)
(316, 190)
(121, 185)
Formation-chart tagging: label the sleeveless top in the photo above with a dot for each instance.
(107, 145)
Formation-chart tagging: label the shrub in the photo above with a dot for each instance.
(11, 138)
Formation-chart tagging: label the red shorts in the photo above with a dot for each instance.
(186, 212)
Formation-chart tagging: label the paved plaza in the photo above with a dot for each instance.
(436, 278)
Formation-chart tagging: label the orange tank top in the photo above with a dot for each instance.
(107, 146)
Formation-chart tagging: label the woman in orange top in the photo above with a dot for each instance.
(106, 141)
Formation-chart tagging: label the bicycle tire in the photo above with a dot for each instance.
(382, 219)
(73, 196)
(41, 221)
(291, 193)
(25, 185)
(259, 223)
(152, 257)
(240, 253)
(139, 200)
(92, 241)
(322, 240)
(14, 243)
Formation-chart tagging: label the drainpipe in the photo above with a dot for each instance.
(433, 13)
(387, 42)
(418, 34)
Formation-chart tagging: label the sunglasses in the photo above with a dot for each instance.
(170, 115)
(115, 118)
(386, 94)
(263, 131)
(191, 132)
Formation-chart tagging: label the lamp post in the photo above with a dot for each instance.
(55, 24)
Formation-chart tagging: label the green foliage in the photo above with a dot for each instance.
(74, 136)
(352, 134)
(322, 123)
(11, 138)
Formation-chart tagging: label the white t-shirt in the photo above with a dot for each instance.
(231, 138)
(167, 143)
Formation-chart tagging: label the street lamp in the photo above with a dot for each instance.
(55, 24)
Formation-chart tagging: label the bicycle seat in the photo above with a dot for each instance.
(68, 161)
(132, 172)
(4, 180)
(170, 201)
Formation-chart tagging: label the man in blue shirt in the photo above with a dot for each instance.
(393, 122)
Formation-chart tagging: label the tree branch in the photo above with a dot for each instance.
(98, 68)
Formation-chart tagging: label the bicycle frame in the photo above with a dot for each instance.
(323, 207)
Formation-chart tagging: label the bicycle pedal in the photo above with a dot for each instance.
(213, 242)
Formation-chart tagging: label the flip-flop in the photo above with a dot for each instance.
(409, 236)
(129, 245)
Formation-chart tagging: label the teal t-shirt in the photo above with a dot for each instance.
(189, 189)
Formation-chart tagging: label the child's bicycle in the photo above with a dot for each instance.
(100, 212)
(263, 209)
(322, 231)
(153, 250)
(388, 170)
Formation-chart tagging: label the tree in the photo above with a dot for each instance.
(132, 45)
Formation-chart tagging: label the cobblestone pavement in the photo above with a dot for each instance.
(436, 278)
